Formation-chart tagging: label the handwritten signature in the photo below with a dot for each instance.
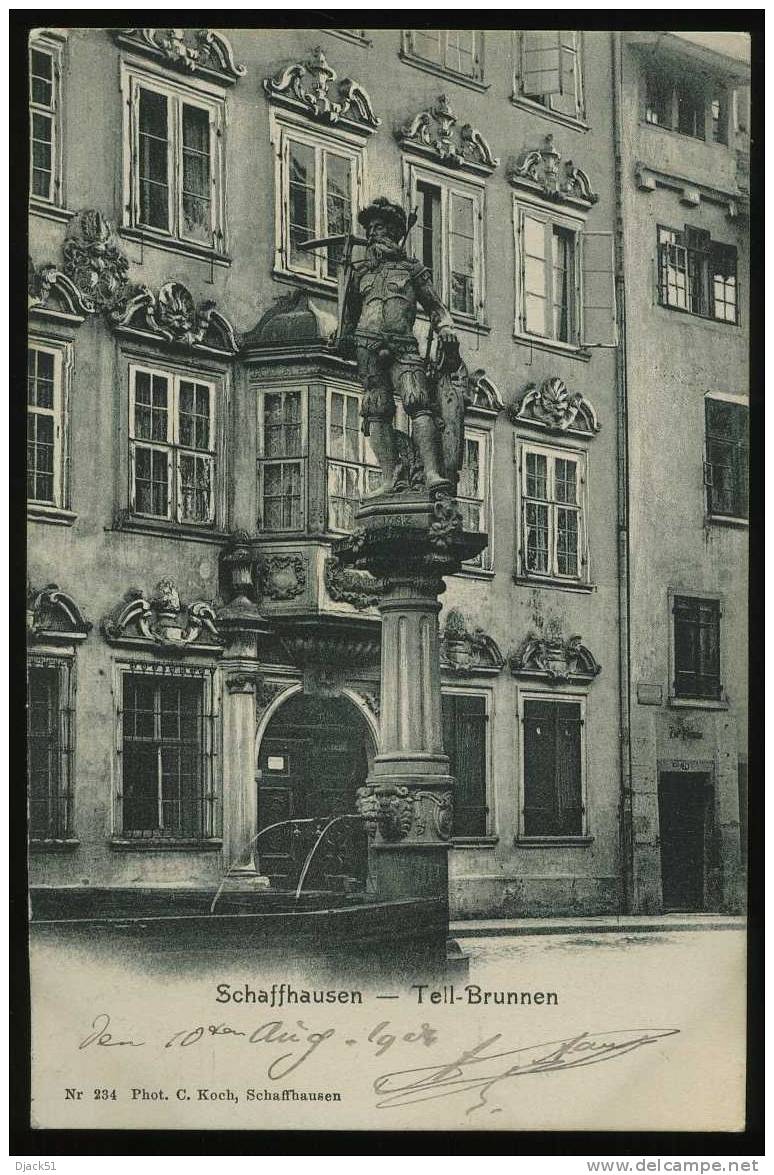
(479, 1070)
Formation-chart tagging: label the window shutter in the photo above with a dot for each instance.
(599, 328)
(541, 63)
(568, 63)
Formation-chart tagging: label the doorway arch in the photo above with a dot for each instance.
(314, 753)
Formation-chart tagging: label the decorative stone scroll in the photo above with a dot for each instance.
(551, 405)
(306, 86)
(52, 294)
(556, 659)
(54, 617)
(172, 316)
(94, 260)
(466, 650)
(163, 622)
(538, 171)
(347, 585)
(201, 52)
(432, 132)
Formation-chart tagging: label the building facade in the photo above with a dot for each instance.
(190, 423)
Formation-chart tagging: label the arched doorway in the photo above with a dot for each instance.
(312, 759)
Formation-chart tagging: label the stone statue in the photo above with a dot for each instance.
(379, 309)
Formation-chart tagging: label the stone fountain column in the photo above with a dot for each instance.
(411, 542)
(241, 626)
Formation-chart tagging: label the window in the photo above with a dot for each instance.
(726, 469)
(553, 767)
(49, 717)
(465, 742)
(166, 747)
(172, 445)
(697, 274)
(552, 506)
(473, 489)
(319, 183)
(283, 459)
(352, 468)
(48, 364)
(696, 647)
(45, 120)
(684, 103)
(174, 165)
(448, 239)
(549, 70)
(565, 283)
(457, 51)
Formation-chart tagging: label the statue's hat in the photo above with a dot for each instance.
(384, 209)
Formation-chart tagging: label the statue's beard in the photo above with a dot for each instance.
(378, 250)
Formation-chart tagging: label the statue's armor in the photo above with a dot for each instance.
(389, 362)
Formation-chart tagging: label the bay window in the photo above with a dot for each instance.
(352, 468)
(282, 461)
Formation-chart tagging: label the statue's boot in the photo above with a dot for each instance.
(382, 439)
(425, 433)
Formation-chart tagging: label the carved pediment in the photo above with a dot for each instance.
(160, 621)
(468, 650)
(551, 405)
(482, 393)
(434, 132)
(172, 316)
(53, 616)
(555, 658)
(348, 585)
(308, 87)
(51, 294)
(202, 52)
(539, 171)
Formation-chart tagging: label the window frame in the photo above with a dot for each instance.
(706, 256)
(551, 219)
(740, 402)
(62, 351)
(468, 188)
(52, 44)
(362, 464)
(202, 95)
(482, 436)
(520, 98)
(302, 460)
(211, 790)
(64, 667)
(572, 698)
(474, 80)
(284, 129)
(489, 836)
(172, 447)
(696, 700)
(666, 78)
(552, 453)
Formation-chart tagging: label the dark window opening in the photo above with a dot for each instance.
(728, 458)
(697, 648)
(464, 740)
(553, 803)
(697, 274)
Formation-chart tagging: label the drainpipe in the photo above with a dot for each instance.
(626, 830)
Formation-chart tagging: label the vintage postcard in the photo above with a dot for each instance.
(387, 499)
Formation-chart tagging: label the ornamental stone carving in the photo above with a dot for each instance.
(307, 86)
(194, 51)
(552, 405)
(481, 393)
(94, 261)
(539, 171)
(172, 316)
(161, 621)
(440, 808)
(432, 132)
(54, 616)
(555, 658)
(347, 585)
(390, 811)
(51, 294)
(283, 577)
(266, 692)
(446, 521)
(466, 650)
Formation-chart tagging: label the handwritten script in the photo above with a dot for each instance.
(475, 1070)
